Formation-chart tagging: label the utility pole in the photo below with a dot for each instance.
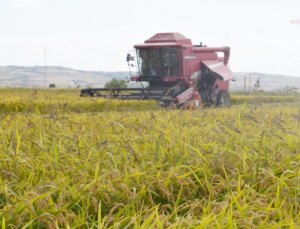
(245, 83)
(249, 83)
(45, 61)
(45, 57)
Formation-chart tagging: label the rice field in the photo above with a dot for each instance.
(70, 162)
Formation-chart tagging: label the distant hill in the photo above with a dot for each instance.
(41, 77)
(268, 82)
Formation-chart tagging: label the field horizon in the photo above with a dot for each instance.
(65, 77)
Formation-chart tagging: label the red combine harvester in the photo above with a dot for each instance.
(178, 73)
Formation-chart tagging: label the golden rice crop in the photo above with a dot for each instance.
(78, 166)
(45, 101)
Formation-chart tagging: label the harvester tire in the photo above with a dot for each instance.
(223, 99)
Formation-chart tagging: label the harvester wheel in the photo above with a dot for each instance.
(223, 99)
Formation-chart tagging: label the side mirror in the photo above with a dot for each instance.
(129, 57)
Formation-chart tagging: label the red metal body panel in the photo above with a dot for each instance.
(222, 72)
(193, 59)
(186, 95)
(158, 44)
(170, 37)
(225, 50)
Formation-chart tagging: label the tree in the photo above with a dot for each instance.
(257, 85)
(115, 83)
(52, 85)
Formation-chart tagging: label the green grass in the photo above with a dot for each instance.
(81, 167)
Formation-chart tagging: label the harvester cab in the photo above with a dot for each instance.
(177, 73)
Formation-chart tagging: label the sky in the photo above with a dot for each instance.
(264, 35)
